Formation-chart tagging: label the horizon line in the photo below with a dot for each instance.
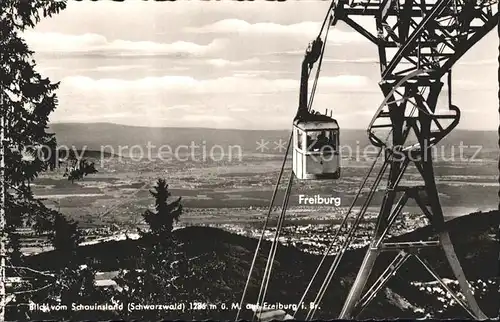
(226, 129)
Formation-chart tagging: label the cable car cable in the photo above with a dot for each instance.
(311, 99)
(348, 239)
(350, 208)
(335, 238)
(329, 13)
(350, 236)
(344, 247)
(318, 69)
(385, 101)
(281, 172)
(279, 180)
(272, 254)
(273, 198)
(345, 219)
(272, 250)
(353, 228)
(274, 247)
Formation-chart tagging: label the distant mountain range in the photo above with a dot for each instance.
(97, 136)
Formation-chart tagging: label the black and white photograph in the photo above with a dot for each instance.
(249, 160)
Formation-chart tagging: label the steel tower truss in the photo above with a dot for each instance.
(418, 43)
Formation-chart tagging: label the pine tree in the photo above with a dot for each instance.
(65, 236)
(153, 279)
(165, 271)
(26, 101)
(27, 149)
(169, 271)
(161, 221)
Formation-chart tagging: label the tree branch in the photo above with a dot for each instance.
(32, 270)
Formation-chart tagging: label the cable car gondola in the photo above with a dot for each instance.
(316, 147)
(315, 136)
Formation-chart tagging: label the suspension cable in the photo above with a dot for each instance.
(323, 290)
(357, 221)
(318, 69)
(335, 238)
(274, 248)
(265, 282)
(347, 242)
(328, 14)
(273, 198)
(268, 265)
(345, 245)
(498, 228)
(422, 91)
(341, 227)
(287, 195)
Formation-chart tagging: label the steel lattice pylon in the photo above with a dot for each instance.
(418, 43)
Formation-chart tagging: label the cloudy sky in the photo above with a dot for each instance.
(223, 65)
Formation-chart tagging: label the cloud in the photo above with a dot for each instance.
(475, 85)
(226, 63)
(179, 107)
(354, 60)
(479, 62)
(344, 81)
(308, 29)
(238, 109)
(207, 118)
(117, 67)
(230, 84)
(94, 43)
(44, 69)
(241, 26)
(181, 100)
